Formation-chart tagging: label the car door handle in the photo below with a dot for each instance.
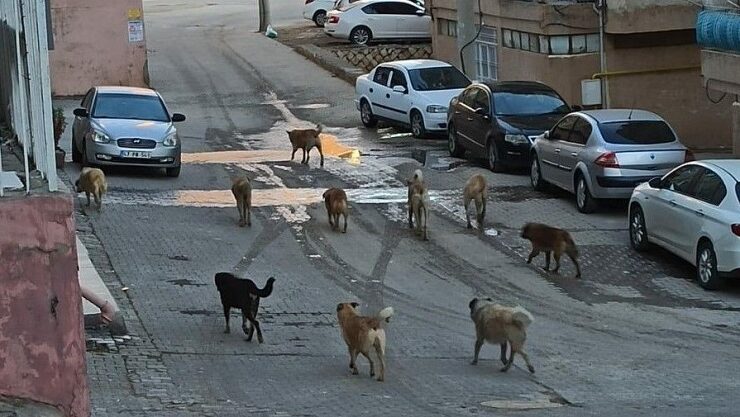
(557, 150)
(470, 119)
(574, 154)
(457, 111)
(699, 213)
(387, 95)
(371, 90)
(673, 203)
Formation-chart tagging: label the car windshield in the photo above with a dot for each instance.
(528, 103)
(129, 106)
(637, 132)
(439, 78)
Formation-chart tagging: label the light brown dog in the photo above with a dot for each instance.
(336, 204)
(498, 324)
(306, 139)
(476, 189)
(551, 239)
(361, 333)
(242, 190)
(92, 181)
(418, 202)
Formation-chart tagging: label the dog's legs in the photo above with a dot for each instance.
(328, 214)
(372, 364)
(503, 353)
(424, 227)
(466, 205)
(352, 359)
(246, 326)
(345, 222)
(306, 155)
(248, 208)
(532, 254)
(575, 261)
(227, 311)
(87, 194)
(547, 261)
(526, 359)
(508, 363)
(321, 152)
(98, 201)
(256, 325)
(556, 255)
(292, 156)
(411, 215)
(240, 209)
(476, 352)
(380, 351)
(482, 215)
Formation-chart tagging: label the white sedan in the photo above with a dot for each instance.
(365, 20)
(316, 10)
(412, 92)
(694, 212)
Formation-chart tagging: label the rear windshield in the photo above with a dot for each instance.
(439, 78)
(637, 132)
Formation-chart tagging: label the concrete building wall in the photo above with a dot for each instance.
(42, 345)
(91, 45)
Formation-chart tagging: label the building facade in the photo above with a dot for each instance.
(650, 58)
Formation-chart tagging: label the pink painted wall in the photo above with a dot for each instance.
(42, 345)
(91, 46)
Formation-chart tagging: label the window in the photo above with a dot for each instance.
(544, 45)
(581, 132)
(552, 45)
(88, 99)
(438, 78)
(381, 75)
(681, 179)
(370, 9)
(482, 101)
(486, 55)
(559, 45)
(398, 79)
(401, 9)
(447, 27)
(578, 44)
(506, 34)
(382, 8)
(593, 42)
(710, 188)
(637, 132)
(468, 97)
(562, 130)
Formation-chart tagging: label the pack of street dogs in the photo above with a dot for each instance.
(494, 323)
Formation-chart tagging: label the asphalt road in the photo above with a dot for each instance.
(635, 336)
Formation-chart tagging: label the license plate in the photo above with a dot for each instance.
(135, 154)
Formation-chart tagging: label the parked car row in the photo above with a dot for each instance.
(691, 208)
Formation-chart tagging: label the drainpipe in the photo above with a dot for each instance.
(599, 7)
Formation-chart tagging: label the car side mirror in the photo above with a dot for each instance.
(576, 107)
(656, 182)
(399, 89)
(177, 117)
(546, 135)
(80, 112)
(420, 12)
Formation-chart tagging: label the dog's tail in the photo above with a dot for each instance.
(385, 314)
(267, 289)
(522, 317)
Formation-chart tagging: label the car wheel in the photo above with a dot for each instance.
(453, 145)
(417, 125)
(173, 172)
(360, 35)
(535, 175)
(638, 231)
(494, 164)
(319, 18)
(76, 154)
(366, 114)
(706, 266)
(584, 200)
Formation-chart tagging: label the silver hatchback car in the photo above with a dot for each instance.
(604, 154)
(126, 126)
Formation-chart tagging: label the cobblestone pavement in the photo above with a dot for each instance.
(635, 336)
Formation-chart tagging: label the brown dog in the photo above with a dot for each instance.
(336, 204)
(551, 239)
(476, 189)
(362, 333)
(418, 202)
(242, 190)
(498, 324)
(92, 181)
(306, 139)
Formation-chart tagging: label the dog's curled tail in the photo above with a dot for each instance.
(319, 128)
(266, 290)
(385, 314)
(522, 317)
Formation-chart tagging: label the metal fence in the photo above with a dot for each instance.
(25, 87)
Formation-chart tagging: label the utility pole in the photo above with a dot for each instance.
(466, 32)
(264, 14)
(600, 7)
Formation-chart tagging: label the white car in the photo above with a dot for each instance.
(316, 10)
(412, 92)
(365, 20)
(694, 212)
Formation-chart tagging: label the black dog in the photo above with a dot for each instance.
(244, 295)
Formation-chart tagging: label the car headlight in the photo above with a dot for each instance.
(436, 109)
(170, 140)
(100, 137)
(516, 139)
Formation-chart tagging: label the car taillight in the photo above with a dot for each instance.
(688, 156)
(333, 19)
(607, 160)
(736, 229)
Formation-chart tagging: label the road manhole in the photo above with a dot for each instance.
(539, 402)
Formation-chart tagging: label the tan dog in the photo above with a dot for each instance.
(306, 139)
(551, 239)
(242, 190)
(336, 204)
(476, 189)
(92, 181)
(418, 202)
(498, 324)
(362, 333)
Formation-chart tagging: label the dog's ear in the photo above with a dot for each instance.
(354, 305)
(472, 303)
(340, 306)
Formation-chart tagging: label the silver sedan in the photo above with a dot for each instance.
(604, 154)
(126, 126)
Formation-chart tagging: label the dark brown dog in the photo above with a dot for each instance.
(551, 239)
(306, 139)
(336, 204)
(242, 190)
(361, 333)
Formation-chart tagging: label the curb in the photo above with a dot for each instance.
(330, 62)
